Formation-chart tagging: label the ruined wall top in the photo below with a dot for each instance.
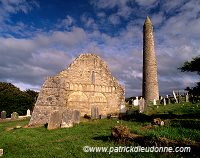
(88, 69)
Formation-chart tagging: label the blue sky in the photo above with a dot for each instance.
(39, 38)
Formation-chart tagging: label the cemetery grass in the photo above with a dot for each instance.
(40, 142)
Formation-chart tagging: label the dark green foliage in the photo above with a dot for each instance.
(12, 99)
(192, 66)
(194, 90)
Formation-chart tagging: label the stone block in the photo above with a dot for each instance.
(55, 120)
(67, 118)
(28, 113)
(94, 112)
(76, 116)
(14, 116)
(141, 105)
(3, 115)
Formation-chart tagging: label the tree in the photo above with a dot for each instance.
(13, 99)
(192, 66)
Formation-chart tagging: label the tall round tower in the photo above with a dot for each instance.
(150, 79)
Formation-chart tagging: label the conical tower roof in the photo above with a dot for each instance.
(147, 21)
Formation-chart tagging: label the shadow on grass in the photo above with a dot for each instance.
(183, 120)
(103, 138)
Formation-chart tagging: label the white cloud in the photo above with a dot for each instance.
(114, 19)
(30, 60)
(89, 22)
(146, 3)
(69, 38)
(66, 23)
(8, 7)
(105, 4)
(123, 9)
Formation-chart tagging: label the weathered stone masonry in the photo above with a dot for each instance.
(150, 79)
(87, 82)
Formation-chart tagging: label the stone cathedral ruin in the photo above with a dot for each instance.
(86, 83)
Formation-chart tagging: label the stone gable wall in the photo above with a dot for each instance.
(87, 82)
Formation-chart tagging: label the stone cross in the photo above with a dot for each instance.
(14, 116)
(141, 105)
(55, 120)
(94, 112)
(3, 115)
(28, 113)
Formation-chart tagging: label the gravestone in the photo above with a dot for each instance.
(187, 97)
(168, 100)
(3, 115)
(102, 116)
(160, 99)
(132, 101)
(122, 109)
(55, 120)
(67, 118)
(14, 116)
(141, 105)
(164, 101)
(175, 97)
(76, 115)
(179, 97)
(28, 113)
(154, 102)
(136, 102)
(94, 112)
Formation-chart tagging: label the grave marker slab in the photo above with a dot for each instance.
(55, 120)
(14, 116)
(141, 105)
(175, 97)
(154, 102)
(94, 112)
(76, 115)
(187, 97)
(3, 115)
(164, 101)
(122, 109)
(67, 118)
(28, 113)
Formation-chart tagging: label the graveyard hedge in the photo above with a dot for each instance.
(12, 99)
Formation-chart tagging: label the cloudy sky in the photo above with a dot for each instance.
(39, 38)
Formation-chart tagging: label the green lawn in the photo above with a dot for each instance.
(39, 142)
